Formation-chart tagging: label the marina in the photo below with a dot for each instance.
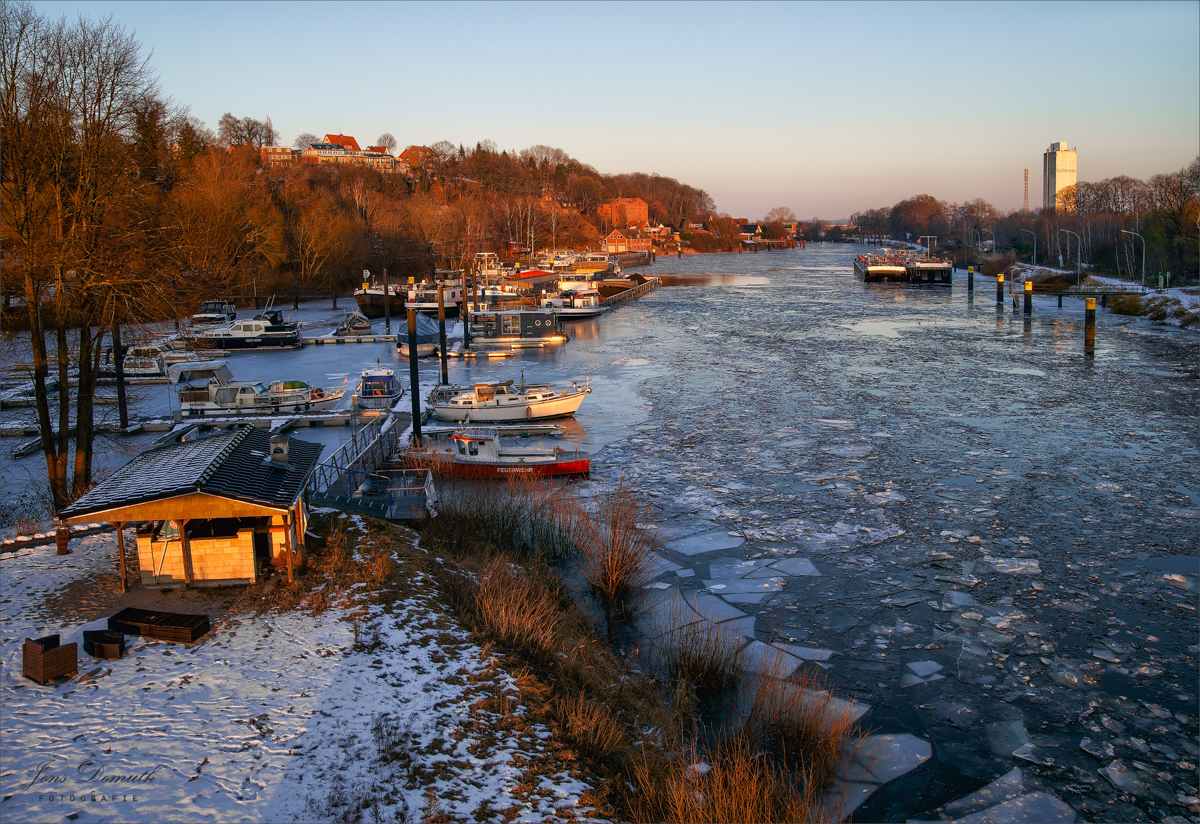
(887, 535)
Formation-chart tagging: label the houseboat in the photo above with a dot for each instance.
(378, 390)
(881, 267)
(372, 296)
(208, 388)
(493, 452)
(496, 402)
(215, 313)
(516, 329)
(266, 330)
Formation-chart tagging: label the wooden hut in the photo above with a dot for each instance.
(216, 510)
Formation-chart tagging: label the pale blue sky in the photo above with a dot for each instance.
(827, 108)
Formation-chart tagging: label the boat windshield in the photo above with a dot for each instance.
(377, 386)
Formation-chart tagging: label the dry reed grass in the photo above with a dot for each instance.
(517, 609)
(701, 656)
(588, 726)
(730, 782)
(615, 551)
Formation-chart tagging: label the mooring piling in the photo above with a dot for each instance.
(414, 380)
(1000, 291)
(442, 356)
(970, 279)
(1029, 297)
(1089, 323)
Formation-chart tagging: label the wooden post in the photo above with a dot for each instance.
(1029, 297)
(119, 365)
(414, 380)
(464, 314)
(1089, 323)
(287, 543)
(1060, 300)
(442, 333)
(1000, 290)
(121, 552)
(186, 548)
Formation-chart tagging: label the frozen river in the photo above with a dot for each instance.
(969, 525)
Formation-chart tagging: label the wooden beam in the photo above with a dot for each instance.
(121, 552)
(187, 552)
(287, 542)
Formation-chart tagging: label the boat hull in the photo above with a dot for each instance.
(558, 407)
(371, 304)
(880, 274)
(232, 344)
(497, 471)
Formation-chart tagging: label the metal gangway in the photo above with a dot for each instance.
(357, 478)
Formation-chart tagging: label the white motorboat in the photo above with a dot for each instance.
(495, 402)
(378, 390)
(498, 452)
(424, 296)
(266, 330)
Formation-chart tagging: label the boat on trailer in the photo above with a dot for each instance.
(498, 452)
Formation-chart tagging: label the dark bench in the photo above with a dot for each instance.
(44, 659)
(164, 626)
(103, 643)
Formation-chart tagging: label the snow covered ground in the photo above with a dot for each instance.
(271, 717)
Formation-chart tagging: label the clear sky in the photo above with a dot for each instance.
(827, 108)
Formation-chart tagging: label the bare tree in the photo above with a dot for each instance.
(246, 131)
(304, 140)
(779, 214)
(387, 141)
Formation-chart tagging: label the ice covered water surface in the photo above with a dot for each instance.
(974, 485)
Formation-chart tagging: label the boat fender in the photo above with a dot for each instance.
(528, 412)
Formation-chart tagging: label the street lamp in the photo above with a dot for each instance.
(1127, 232)
(1078, 251)
(1034, 236)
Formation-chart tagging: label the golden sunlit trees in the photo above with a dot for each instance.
(75, 221)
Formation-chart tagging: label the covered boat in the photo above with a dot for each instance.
(378, 390)
(493, 452)
(579, 304)
(495, 402)
(428, 336)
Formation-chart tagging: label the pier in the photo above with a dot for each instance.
(633, 292)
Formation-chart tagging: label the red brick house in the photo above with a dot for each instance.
(417, 156)
(626, 240)
(624, 211)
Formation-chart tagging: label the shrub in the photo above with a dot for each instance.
(615, 551)
(588, 726)
(702, 657)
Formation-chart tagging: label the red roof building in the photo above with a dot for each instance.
(344, 140)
